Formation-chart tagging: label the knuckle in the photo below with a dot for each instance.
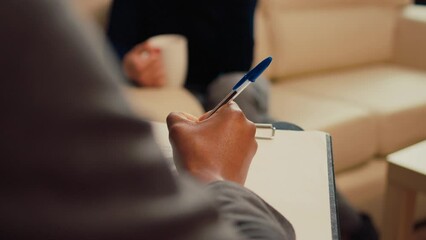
(171, 118)
(252, 128)
(238, 115)
(174, 124)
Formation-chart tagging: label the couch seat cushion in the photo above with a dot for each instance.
(352, 128)
(156, 103)
(394, 95)
(364, 187)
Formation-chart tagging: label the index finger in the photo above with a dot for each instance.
(230, 105)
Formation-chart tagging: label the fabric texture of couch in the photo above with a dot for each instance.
(353, 68)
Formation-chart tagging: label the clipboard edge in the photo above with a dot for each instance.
(335, 226)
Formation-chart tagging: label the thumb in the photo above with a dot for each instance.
(145, 46)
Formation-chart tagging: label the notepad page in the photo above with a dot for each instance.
(291, 173)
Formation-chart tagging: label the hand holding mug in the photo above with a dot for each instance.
(144, 65)
(160, 61)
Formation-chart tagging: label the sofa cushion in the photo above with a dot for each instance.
(364, 187)
(316, 39)
(156, 103)
(352, 128)
(394, 95)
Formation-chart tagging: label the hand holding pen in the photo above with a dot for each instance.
(211, 149)
(214, 149)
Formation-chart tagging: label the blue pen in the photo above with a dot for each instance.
(248, 78)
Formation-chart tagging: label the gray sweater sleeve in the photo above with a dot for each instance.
(75, 163)
(251, 215)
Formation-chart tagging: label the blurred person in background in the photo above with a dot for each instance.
(220, 47)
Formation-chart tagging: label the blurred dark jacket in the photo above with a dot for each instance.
(219, 33)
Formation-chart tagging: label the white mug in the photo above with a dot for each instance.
(174, 50)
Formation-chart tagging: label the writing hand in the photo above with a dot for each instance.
(218, 148)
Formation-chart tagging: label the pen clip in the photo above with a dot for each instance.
(265, 131)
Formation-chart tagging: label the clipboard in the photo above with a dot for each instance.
(292, 171)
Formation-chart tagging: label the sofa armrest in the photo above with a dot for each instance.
(156, 103)
(410, 47)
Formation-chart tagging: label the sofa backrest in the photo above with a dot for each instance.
(315, 35)
(306, 36)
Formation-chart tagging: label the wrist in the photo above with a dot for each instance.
(206, 176)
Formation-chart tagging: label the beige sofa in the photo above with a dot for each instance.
(353, 68)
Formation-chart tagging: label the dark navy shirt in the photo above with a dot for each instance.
(219, 32)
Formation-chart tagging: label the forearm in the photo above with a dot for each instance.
(253, 217)
(49, 212)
